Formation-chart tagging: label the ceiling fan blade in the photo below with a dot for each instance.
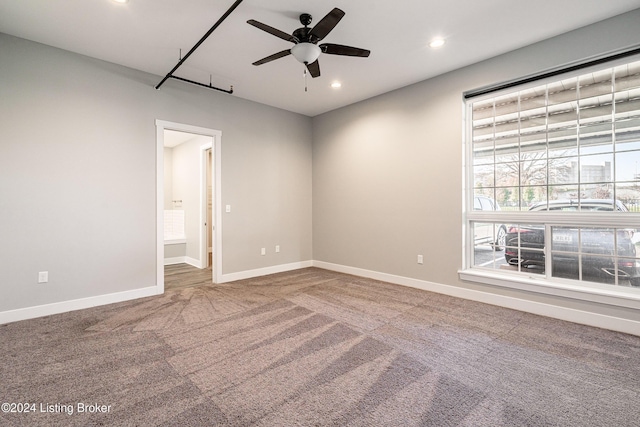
(273, 31)
(314, 68)
(326, 24)
(338, 49)
(273, 57)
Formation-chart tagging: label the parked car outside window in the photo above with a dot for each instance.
(489, 233)
(597, 253)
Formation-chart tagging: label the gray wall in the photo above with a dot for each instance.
(387, 172)
(78, 161)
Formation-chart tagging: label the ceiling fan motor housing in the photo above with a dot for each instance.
(302, 35)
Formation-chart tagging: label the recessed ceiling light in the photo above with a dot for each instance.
(435, 43)
(121, 1)
(336, 85)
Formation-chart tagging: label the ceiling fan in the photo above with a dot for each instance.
(306, 49)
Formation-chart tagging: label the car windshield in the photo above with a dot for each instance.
(574, 206)
(582, 208)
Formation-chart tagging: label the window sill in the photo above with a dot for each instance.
(618, 296)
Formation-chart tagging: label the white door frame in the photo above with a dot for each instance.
(204, 240)
(216, 175)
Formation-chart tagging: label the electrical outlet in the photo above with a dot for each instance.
(227, 208)
(420, 259)
(263, 251)
(277, 248)
(43, 277)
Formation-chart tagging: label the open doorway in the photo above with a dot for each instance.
(188, 190)
(208, 207)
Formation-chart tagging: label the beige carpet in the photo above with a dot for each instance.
(315, 348)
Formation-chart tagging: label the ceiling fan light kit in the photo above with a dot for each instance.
(306, 52)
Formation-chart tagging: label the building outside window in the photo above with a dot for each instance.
(560, 161)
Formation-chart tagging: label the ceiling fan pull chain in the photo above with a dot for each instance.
(305, 80)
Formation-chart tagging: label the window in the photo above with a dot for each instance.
(553, 179)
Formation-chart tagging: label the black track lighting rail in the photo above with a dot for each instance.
(209, 86)
(207, 34)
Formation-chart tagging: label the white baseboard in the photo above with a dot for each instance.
(183, 260)
(548, 310)
(248, 274)
(193, 262)
(571, 315)
(72, 305)
(174, 260)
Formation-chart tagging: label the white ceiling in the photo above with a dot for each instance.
(148, 34)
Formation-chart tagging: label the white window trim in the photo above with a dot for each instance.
(587, 291)
(619, 296)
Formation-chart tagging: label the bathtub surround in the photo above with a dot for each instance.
(175, 238)
(174, 231)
